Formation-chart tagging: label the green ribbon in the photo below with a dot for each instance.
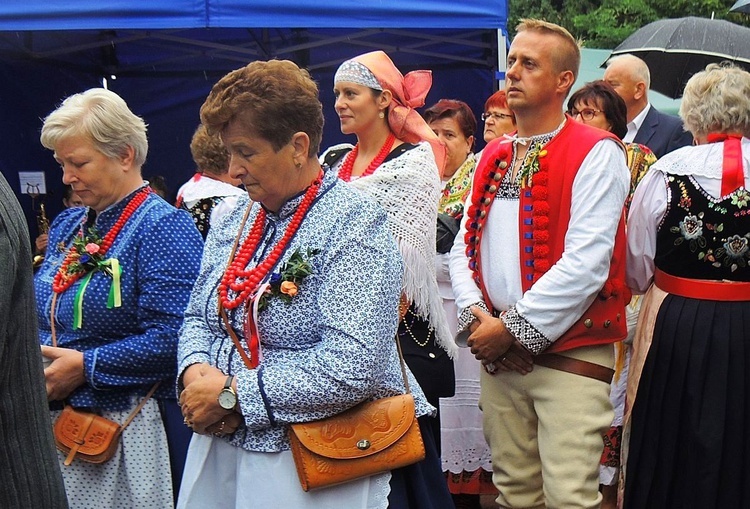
(115, 295)
(113, 268)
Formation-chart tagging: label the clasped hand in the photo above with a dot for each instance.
(496, 348)
(64, 374)
(199, 403)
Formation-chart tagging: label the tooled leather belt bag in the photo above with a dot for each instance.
(370, 438)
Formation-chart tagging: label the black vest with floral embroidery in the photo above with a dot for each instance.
(704, 238)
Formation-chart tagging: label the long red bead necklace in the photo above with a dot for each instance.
(345, 173)
(245, 281)
(64, 279)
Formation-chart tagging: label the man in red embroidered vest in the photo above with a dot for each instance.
(538, 274)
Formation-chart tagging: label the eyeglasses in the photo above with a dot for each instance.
(586, 113)
(495, 116)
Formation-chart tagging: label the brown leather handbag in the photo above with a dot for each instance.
(370, 438)
(86, 435)
(89, 436)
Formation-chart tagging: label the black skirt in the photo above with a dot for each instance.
(689, 445)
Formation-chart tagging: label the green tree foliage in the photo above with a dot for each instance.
(606, 23)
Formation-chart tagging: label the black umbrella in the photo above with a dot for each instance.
(741, 6)
(675, 49)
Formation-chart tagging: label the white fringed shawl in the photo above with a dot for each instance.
(408, 188)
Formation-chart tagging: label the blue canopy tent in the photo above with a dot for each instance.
(163, 57)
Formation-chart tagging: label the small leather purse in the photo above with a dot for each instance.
(370, 438)
(89, 436)
(85, 435)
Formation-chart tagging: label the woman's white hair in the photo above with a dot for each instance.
(104, 118)
(716, 101)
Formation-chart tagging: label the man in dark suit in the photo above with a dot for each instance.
(662, 133)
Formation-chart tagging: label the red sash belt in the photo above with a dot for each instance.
(704, 289)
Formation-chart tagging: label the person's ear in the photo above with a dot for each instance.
(565, 81)
(640, 90)
(126, 159)
(300, 145)
(384, 99)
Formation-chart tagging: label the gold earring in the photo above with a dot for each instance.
(298, 165)
(381, 114)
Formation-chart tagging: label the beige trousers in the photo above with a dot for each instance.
(545, 432)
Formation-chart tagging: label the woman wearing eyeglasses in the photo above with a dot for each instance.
(597, 104)
(497, 117)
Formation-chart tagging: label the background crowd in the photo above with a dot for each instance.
(592, 262)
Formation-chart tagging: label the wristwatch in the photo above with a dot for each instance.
(227, 397)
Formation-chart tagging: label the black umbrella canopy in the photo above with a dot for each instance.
(741, 6)
(675, 49)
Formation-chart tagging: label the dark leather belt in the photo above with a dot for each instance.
(575, 366)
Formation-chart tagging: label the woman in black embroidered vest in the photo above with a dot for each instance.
(689, 230)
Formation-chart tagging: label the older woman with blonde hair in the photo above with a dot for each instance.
(110, 300)
(689, 250)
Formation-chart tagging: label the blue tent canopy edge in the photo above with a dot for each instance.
(163, 57)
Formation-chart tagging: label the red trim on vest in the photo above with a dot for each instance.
(542, 231)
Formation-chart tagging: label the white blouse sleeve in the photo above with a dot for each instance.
(646, 213)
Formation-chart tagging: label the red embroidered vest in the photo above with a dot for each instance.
(542, 231)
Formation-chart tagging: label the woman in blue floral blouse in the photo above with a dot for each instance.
(688, 398)
(295, 311)
(110, 297)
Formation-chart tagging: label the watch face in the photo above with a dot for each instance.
(227, 399)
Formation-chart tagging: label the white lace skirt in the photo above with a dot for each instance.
(221, 476)
(138, 475)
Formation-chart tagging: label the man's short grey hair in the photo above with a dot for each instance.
(638, 69)
(101, 116)
(716, 101)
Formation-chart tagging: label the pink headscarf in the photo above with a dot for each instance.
(409, 92)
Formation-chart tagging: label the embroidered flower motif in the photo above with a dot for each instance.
(741, 198)
(527, 172)
(685, 200)
(691, 227)
(285, 283)
(691, 230)
(736, 246)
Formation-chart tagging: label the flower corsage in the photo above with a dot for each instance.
(285, 283)
(85, 257)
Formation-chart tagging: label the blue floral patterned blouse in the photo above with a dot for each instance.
(129, 348)
(333, 345)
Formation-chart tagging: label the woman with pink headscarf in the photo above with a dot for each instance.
(398, 161)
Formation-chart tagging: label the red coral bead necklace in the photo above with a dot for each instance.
(64, 279)
(245, 281)
(345, 173)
